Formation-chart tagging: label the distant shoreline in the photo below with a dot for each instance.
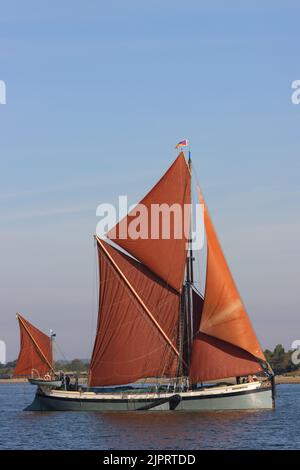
(280, 379)
(12, 381)
(287, 379)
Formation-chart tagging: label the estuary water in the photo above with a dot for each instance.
(275, 429)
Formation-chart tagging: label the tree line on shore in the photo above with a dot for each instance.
(78, 366)
(279, 359)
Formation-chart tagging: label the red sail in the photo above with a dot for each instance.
(224, 315)
(225, 344)
(35, 357)
(163, 251)
(215, 359)
(129, 344)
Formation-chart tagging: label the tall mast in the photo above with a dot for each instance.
(52, 336)
(186, 308)
(188, 289)
(190, 257)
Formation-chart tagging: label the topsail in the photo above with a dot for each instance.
(164, 255)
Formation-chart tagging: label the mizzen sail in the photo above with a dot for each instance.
(35, 357)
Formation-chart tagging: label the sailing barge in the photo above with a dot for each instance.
(153, 322)
(35, 360)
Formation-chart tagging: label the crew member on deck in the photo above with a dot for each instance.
(68, 380)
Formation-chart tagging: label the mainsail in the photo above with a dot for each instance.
(137, 331)
(35, 357)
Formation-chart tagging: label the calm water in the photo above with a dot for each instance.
(147, 430)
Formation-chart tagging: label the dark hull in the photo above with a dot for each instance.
(260, 398)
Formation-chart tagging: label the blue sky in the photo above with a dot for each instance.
(97, 97)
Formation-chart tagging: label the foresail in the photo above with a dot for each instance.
(35, 355)
(131, 344)
(214, 359)
(224, 316)
(162, 250)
